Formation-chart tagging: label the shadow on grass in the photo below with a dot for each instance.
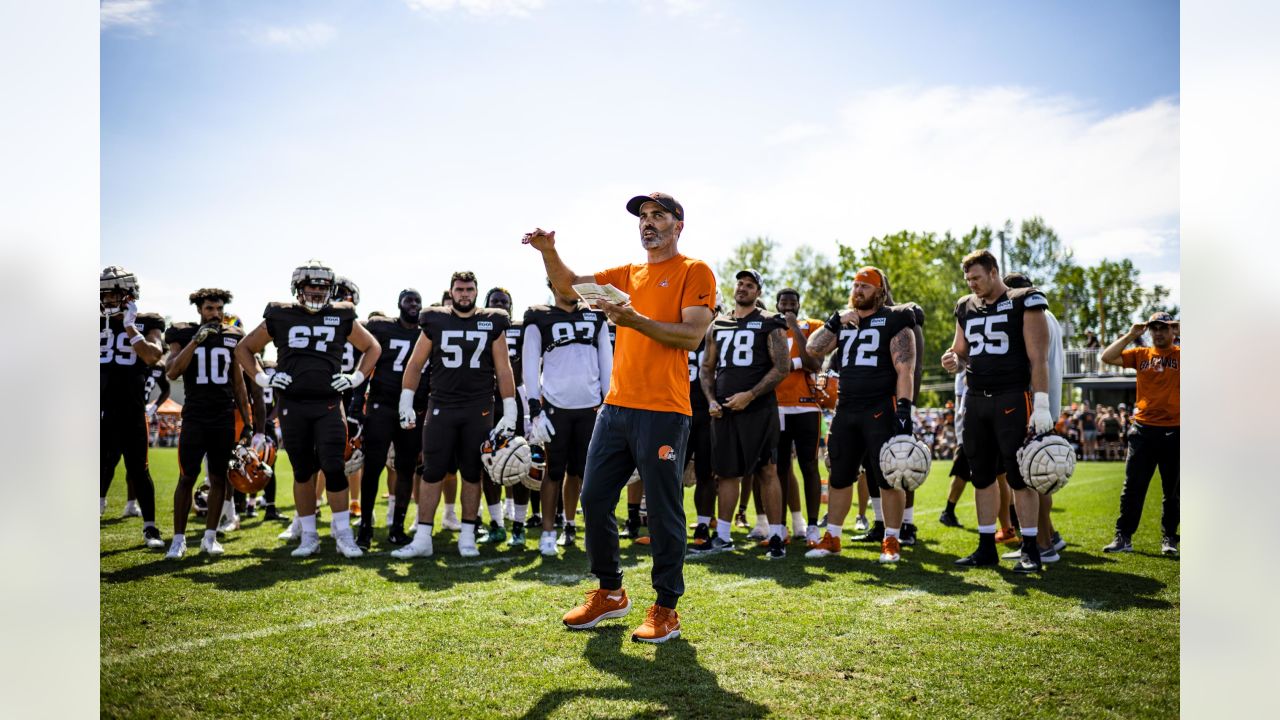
(673, 679)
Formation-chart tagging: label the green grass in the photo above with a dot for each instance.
(258, 633)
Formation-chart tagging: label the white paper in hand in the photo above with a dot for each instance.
(593, 293)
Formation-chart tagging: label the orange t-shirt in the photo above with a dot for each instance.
(1159, 377)
(796, 389)
(648, 375)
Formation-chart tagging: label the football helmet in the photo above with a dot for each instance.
(312, 273)
(352, 454)
(117, 287)
(537, 468)
(905, 462)
(248, 471)
(506, 457)
(1047, 462)
(345, 290)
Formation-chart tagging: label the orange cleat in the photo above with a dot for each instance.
(1007, 535)
(601, 604)
(890, 550)
(660, 625)
(828, 545)
(354, 507)
(642, 540)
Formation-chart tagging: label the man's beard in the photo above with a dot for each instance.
(463, 305)
(868, 304)
(745, 303)
(408, 317)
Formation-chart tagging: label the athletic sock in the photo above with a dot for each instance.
(908, 515)
(511, 506)
(495, 514)
(451, 510)
(308, 523)
(875, 508)
(892, 532)
(762, 521)
(951, 507)
(341, 523)
(722, 529)
(181, 538)
(633, 513)
(987, 539)
(468, 536)
(797, 520)
(779, 530)
(423, 536)
(704, 519)
(834, 530)
(210, 535)
(391, 506)
(522, 512)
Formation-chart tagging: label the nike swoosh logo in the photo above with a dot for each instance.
(703, 296)
(484, 414)
(877, 415)
(1008, 411)
(1168, 433)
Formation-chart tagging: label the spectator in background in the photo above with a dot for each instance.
(1110, 428)
(1087, 424)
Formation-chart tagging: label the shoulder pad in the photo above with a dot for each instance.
(276, 307)
(151, 321)
(1029, 297)
(345, 309)
(233, 330)
(962, 303)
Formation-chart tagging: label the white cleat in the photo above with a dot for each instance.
(293, 532)
(811, 535)
(229, 524)
(759, 532)
(177, 549)
(547, 545)
(151, 538)
(347, 545)
(131, 509)
(415, 549)
(450, 522)
(211, 547)
(309, 546)
(468, 550)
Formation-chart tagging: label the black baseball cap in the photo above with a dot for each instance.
(1163, 318)
(672, 205)
(753, 274)
(787, 291)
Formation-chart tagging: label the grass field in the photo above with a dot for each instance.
(258, 633)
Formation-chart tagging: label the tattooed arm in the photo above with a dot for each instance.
(903, 350)
(781, 368)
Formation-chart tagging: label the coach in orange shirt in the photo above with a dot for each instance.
(1153, 433)
(646, 416)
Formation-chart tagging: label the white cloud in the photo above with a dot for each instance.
(301, 37)
(517, 8)
(138, 14)
(796, 132)
(950, 158)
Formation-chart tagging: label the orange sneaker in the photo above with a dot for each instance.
(354, 507)
(828, 545)
(601, 604)
(660, 625)
(642, 540)
(1007, 535)
(786, 540)
(890, 550)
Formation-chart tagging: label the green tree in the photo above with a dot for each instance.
(1157, 300)
(818, 279)
(758, 253)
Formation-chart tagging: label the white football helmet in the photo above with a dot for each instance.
(537, 468)
(1047, 462)
(506, 457)
(905, 462)
(312, 273)
(117, 287)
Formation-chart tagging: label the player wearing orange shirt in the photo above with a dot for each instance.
(646, 416)
(800, 416)
(1154, 430)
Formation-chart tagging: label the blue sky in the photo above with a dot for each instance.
(400, 140)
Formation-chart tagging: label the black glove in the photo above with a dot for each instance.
(903, 413)
(535, 408)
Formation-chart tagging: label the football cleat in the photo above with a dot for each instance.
(1027, 565)
(177, 549)
(908, 537)
(1049, 555)
(397, 536)
(1168, 546)
(568, 536)
(811, 536)
(890, 550)
(949, 519)
(713, 546)
(777, 549)
(347, 544)
(365, 538)
(979, 559)
(600, 605)
(758, 533)
(450, 522)
(701, 535)
(210, 546)
(151, 536)
(1058, 543)
(1007, 535)
(547, 544)
(420, 547)
(828, 545)
(229, 523)
(629, 530)
(468, 549)
(740, 520)
(293, 532)
(309, 546)
(131, 509)
(535, 520)
(860, 524)
(517, 536)
(875, 534)
(495, 535)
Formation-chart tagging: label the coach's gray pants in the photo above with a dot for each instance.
(625, 439)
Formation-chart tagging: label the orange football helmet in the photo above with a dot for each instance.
(248, 470)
